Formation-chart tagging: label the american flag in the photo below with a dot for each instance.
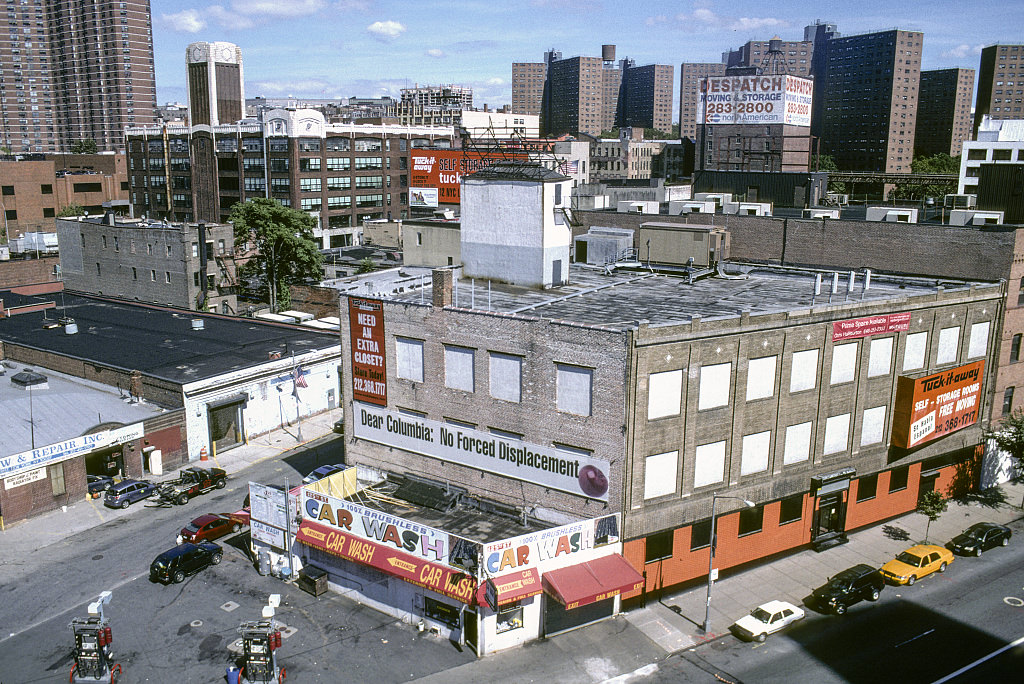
(300, 380)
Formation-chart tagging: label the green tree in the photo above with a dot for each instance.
(931, 504)
(71, 210)
(935, 164)
(366, 266)
(286, 252)
(825, 162)
(86, 146)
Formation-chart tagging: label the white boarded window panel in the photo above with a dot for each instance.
(880, 359)
(660, 474)
(506, 376)
(914, 351)
(714, 386)
(458, 368)
(709, 464)
(664, 393)
(574, 385)
(844, 363)
(409, 358)
(979, 340)
(761, 378)
(949, 339)
(872, 429)
(755, 453)
(798, 443)
(805, 370)
(837, 432)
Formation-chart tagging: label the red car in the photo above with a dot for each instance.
(209, 527)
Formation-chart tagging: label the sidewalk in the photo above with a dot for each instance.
(83, 514)
(675, 622)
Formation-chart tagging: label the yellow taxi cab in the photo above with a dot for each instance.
(916, 562)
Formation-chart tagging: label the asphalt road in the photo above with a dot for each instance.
(920, 634)
(182, 633)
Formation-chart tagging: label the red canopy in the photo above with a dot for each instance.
(510, 588)
(593, 580)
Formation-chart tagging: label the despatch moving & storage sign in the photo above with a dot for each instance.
(756, 100)
(936, 405)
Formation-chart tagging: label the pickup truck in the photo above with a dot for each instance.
(191, 482)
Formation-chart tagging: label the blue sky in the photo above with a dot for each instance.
(367, 48)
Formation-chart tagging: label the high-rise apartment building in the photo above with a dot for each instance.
(578, 102)
(795, 55)
(819, 34)
(71, 71)
(440, 105)
(944, 111)
(528, 87)
(1000, 84)
(691, 75)
(646, 99)
(216, 87)
(869, 111)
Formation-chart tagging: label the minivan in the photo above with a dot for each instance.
(126, 492)
(848, 587)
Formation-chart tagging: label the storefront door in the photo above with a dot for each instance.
(226, 426)
(470, 629)
(830, 518)
(557, 619)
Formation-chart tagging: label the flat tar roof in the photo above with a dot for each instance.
(157, 341)
(623, 298)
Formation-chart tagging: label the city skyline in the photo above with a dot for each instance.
(345, 48)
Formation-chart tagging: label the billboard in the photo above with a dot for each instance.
(853, 328)
(540, 464)
(366, 333)
(774, 99)
(442, 170)
(936, 405)
(422, 197)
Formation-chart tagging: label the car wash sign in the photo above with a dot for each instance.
(936, 405)
(565, 471)
(552, 547)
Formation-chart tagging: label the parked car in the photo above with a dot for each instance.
(192, 482)
(322, 472)
(848, 587)
(915, 563)
(209, 527)
(767, 619)
(184, 559)
(126, 492)
(98, 484)
(979, 537)
(339, 426)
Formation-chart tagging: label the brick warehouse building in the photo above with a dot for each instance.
(669, 391)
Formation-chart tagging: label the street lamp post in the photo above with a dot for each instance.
(711, 555)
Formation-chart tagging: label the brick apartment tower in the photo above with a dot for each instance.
(1000, 84)
(528, 87)
(944, 111)
(73, 71)
(646, 100)
(869, 114)
(691, 74)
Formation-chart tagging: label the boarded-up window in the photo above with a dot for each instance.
(837, 430)
(709, 464)
(798, 443)
(409, 358)
(574, 389)
(914, 351)
(805, 370)
(949, 342)
(506, 377)
(880, 360)
(714, 386)
(660, 474)
(458, 368)
(979, 340)
(872, 429)
(663, 394)
(844, 363)
(755, 452)
(57, 479)
(761, 378)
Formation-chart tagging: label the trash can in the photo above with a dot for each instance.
(233, 675)
(264, 562)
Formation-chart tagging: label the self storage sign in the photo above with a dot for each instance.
(936, 405)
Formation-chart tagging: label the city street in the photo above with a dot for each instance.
(913, 634)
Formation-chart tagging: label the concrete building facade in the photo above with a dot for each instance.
(216, 84)
(1000, 84)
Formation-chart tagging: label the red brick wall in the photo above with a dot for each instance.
(28, 271)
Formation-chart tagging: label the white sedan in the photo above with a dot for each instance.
(767, 619)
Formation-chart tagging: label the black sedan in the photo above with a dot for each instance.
(979, 537)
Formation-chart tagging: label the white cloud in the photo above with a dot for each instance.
(277, 8)
(306, 88)
(754, 23)
(386, 30)
(703, 19)
(963, 50)
(186, 21)
(228, 19)
(353, 5)
(436, 53)
(655, 20)
(495, 82)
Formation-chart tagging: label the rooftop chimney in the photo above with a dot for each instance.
(441, 281)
